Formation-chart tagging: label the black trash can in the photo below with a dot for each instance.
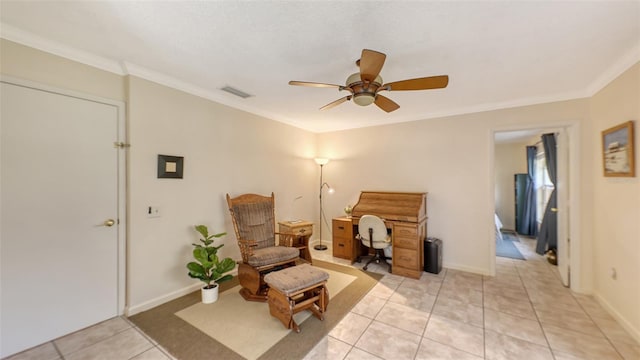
(432, 255)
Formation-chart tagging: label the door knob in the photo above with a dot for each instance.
(554, 209)
(109, 223)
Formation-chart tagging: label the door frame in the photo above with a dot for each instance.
(572, 131)
(122, 169)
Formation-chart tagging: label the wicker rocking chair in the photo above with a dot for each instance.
(254, 224)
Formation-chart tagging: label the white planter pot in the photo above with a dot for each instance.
(209, 296)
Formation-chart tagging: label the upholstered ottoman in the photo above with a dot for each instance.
(295, 289)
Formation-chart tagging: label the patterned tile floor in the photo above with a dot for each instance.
(522, 313)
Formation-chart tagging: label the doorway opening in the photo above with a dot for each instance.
(511, 166)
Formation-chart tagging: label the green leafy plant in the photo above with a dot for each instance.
(208, 267)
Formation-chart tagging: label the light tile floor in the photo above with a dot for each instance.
(522, 313)
(114, 339)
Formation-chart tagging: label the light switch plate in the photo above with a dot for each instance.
(153, 212)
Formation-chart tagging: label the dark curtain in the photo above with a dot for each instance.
(548, 236)
(528, 224)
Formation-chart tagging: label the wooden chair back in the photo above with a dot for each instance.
(253, 219)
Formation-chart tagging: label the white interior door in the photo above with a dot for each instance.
(562, 192)
(59, 184)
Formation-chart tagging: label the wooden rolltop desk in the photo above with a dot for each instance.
(406, 215)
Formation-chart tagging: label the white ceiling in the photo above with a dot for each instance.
(497, 54)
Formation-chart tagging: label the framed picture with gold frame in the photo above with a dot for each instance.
(618, 152)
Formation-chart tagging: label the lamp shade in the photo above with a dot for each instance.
(330, 190)
(321, 161)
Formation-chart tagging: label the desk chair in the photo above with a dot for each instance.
(373, 234)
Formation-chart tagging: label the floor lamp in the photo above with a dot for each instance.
(322, 162)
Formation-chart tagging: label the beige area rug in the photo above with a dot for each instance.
(187, 342)
(250, 320)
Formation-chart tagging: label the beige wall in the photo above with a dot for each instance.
(450, 158)
(225, 151)
(616, 204)
(510, 159)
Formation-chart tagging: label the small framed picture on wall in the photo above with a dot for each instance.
(170, 167)
(618, 152)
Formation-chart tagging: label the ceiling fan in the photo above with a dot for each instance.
(366, 85)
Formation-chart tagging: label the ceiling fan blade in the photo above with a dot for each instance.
(425, 83)
(313, 84)
(386, 104)
(336, 103)
(370, 64)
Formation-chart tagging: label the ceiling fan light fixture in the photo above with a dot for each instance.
(364, 99)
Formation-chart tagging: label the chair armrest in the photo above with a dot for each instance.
(246, 249)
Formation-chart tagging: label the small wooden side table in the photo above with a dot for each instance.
(302, 228)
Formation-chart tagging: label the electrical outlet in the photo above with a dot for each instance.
(153, 212)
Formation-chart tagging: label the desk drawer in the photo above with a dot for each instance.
(342, 228)
(406, 243)
(406, 258)
(405, 231)
(342, 247)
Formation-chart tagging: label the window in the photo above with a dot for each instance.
(543, 184)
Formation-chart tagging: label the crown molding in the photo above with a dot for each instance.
(29, 39)
(497, 106)
(217, 95)
(124, 68)
(623, 64)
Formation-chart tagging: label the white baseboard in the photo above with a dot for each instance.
(134, 309)
(466, 268)
(635, 333)
(131, 310)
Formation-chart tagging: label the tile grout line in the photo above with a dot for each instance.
(431, 313)
(374, 318)
(386, 301)
(426, 325)
(57, 350)
(573, 295)
(365, 330)
(598, 326)
(100, 341)
(484, 328)
(147, 338)
(544, 333)
(144, 335)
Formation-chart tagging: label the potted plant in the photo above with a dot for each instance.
(208, 267)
